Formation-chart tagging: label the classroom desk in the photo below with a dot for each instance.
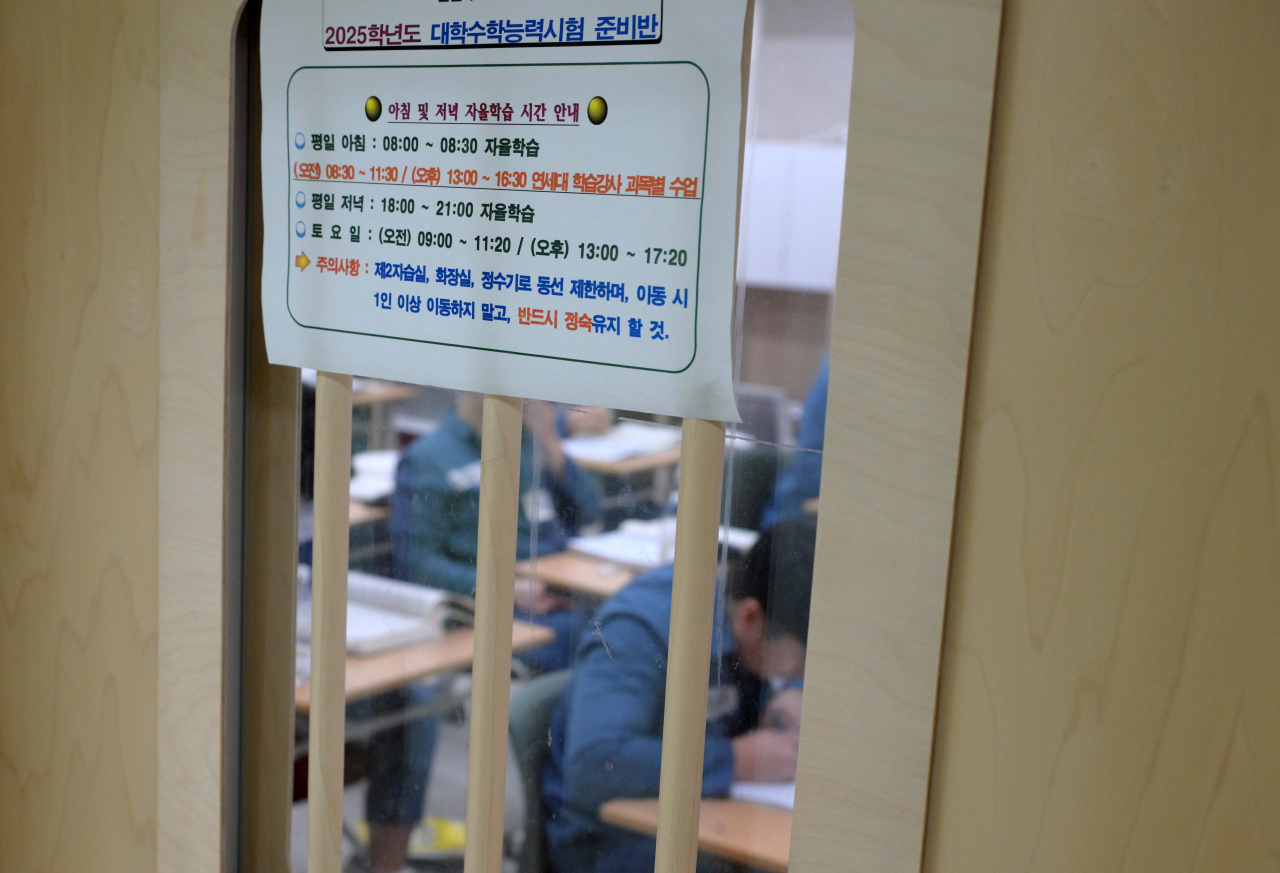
(374, 391)
(368, 545)
(657, 467)
(373, 674)
(744, 832)
(579, 574)
(374, 431)
(634, 464)
(364, 513)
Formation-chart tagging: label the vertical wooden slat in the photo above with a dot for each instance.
(329, 623)
(914, 188)
(689, 654)
(495, 595)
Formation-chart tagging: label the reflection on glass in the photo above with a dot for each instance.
(596, 539)
(599, 492)
(435, 515)
(606, 733)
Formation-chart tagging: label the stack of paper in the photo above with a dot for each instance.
(781, 794)
(626, 440)
(375, 475)
(384, 613)
(418, 600)
(645, 544)
(625, 547)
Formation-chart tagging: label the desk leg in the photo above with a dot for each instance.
(495, 595)
(692, 612)
(329, 623)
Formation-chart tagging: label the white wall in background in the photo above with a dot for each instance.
(791, 203)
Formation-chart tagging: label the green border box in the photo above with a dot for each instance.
(701, 202)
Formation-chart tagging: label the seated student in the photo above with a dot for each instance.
(800, 479)
(434, 524)
(435, 515)
(606, 735)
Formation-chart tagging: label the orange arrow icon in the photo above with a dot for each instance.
(301, 261)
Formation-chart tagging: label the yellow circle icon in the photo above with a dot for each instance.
(373, 109)
(597, 110)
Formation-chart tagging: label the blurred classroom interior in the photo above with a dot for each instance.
(600, 490)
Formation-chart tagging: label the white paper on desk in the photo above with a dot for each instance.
(405, 597)
(643, 204)
(627, 440)
(624, 547)
(371, 629)
(780, 794)
(647, 544)
(384, 613)
(375, 475)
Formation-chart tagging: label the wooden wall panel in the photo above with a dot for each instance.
(1111, 686)
(272, 434)
(78, 430)
(919, 123)
(196, 39)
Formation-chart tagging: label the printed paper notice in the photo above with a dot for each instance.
(423, 24)
(545, 222)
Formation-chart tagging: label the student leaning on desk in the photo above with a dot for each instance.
(606, 735)
(435, 515)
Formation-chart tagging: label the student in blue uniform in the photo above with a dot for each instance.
(606, 735)
(435, 516)
(801, 478)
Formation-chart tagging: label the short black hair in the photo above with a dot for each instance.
(778, 572)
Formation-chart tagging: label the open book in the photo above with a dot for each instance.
(385, 613)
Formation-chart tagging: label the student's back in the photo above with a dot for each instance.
(613, 709)
(435, 510)
(606, 736)
(435, 522)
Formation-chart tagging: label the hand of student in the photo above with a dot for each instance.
(783, 712)
(533, 597)
(766, 755)
(540, 419)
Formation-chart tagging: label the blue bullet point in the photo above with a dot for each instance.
(301, 200)
(300, 141)
(300, 229)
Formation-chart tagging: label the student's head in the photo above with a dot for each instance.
(768, 599)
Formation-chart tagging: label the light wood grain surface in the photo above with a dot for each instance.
(1111, 686)
(919, 123)
(79, 353)
(578, 574)
(744, 832)
(368, 675)
(272, 434)
(325, 771)
(500, 435)
(693, 594)
(195, 164)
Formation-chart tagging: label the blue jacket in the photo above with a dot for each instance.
(435, 510)
(606, 735)
(801, 478)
